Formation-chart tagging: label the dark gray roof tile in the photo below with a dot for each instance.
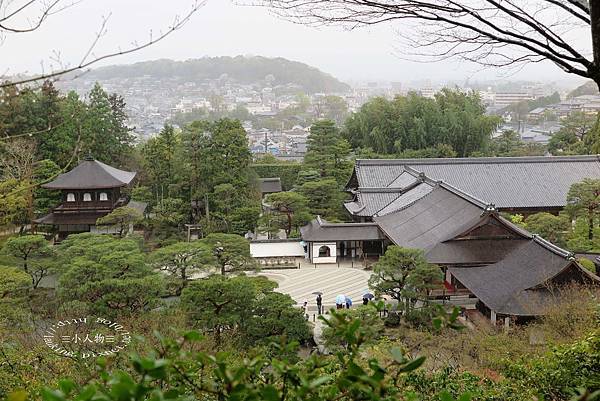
(321, 230)
(269, 185)
(92, 174)
(508, 182)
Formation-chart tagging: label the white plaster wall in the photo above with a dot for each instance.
(276, 249)
(315, 252)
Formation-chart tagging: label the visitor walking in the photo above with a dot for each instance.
(319, 304)
(340, 301)
(348, 302)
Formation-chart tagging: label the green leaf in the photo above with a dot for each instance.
(413, 365)
(52, 395)
(122, 391)
(270, 393)
(319, 381)
(66, 386)
(87, 393)
(192, 336)
(465, 397)
(446, 396)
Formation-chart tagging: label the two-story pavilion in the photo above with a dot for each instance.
(89, 191)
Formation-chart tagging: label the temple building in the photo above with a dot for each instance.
(332, 242)
(488, 263)
(523, 185)
(269, 185)
(89, 191)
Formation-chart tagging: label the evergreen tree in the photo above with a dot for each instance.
(328, 152)
(105, 133)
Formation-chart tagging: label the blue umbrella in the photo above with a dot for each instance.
(368, 295)
(340, 299)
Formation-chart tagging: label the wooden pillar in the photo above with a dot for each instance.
(493, 317)
(506, 324)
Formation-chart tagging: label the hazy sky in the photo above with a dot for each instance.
(222, 28)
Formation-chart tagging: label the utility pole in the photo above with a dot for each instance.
(266, 141)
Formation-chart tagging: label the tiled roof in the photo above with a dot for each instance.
(429, 220)
(321, 230)
(503, 265)
(508, 182)
(518, 284)
(473, 252)
(92, 174)
(88, 218)
(269, 185)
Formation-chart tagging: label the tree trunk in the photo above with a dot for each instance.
(206, 208)
(594, 69)
(591, 224)
(289, 225)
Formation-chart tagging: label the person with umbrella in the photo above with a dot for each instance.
(340, 301)
(348, 302)
(367, 296)
(319, 302)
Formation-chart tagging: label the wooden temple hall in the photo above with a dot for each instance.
(489, 263)
(89, 191)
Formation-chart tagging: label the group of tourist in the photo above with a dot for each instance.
(341, 302)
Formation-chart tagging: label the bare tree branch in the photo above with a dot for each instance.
(85, 62)
(46, 12)
(487, 32)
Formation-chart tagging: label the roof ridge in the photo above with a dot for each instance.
(349, 224)
(553, 248)
(412, 187)
(465, 195)
(480, 160)
(111, 170)
(405, 206)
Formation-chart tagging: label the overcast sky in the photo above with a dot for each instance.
(222, 28)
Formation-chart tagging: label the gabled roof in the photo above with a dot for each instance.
(321, 230)
(92, 174)
(521, 283)
(431, 219)
(472, 252)
(269, 185)
(508, 182)
(502, 264)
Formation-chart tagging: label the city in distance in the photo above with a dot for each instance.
(329, 200)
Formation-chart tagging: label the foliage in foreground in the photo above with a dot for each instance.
(177, 370)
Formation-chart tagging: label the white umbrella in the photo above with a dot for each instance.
(340, 299)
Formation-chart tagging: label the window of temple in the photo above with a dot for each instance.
(324, 251)
(70, 197)
(103, 196)
(87, 197)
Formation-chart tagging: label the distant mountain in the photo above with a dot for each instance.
(588, 88)
(242, 69)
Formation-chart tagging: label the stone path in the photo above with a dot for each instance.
(331, 281)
